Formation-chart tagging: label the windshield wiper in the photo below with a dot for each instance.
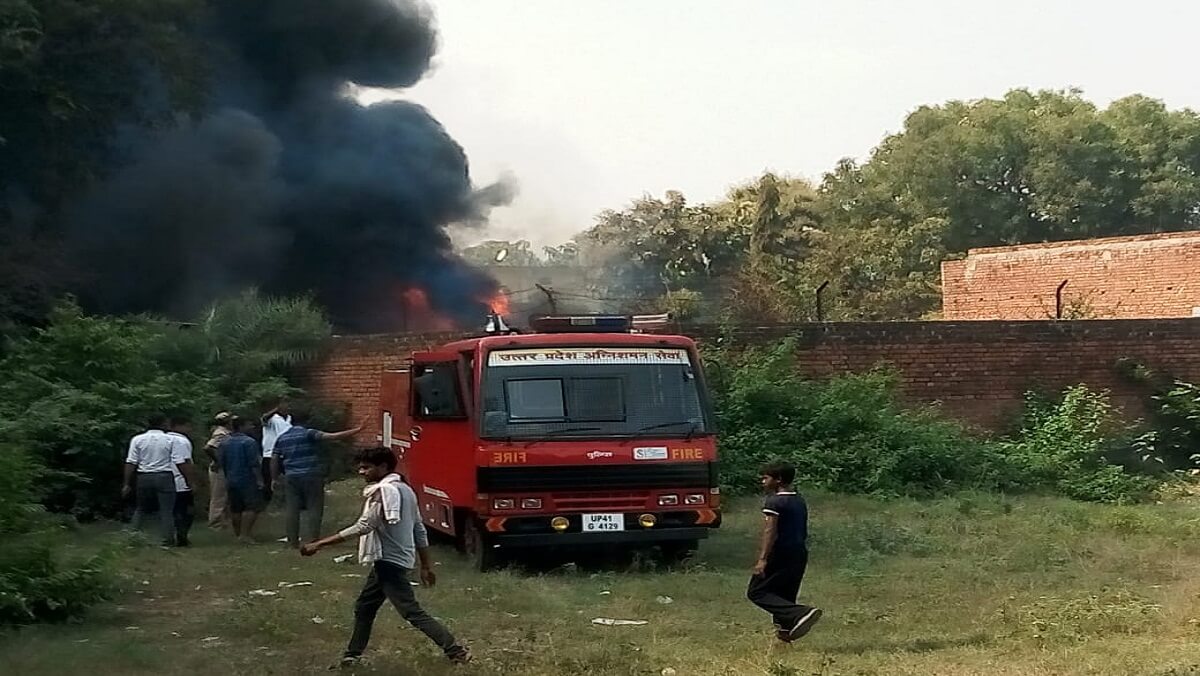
(561, 432)
(691, 430)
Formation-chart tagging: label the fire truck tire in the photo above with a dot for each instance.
(477, 547)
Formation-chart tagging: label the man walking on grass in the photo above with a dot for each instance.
(782, 555)
(240, 460)
(218, 510)
(391, 540)
(152, 460)
(297, 458)
(185, 510)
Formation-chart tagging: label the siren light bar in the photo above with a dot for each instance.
(598, 323)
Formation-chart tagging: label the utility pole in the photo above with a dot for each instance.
(549, 298)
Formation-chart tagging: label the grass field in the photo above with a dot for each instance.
(974, 584)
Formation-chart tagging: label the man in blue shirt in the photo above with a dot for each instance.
(298, 459)
(241, 460)
(783, 555)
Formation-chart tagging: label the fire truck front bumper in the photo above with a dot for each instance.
(629, 528)
(637, 537)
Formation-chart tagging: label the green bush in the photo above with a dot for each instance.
(73, 393)
(848, 433)
(851, 434)
(1066, 447)
(35, 586)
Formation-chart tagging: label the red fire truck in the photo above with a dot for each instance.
(582, 433)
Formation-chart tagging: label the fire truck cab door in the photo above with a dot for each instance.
(439, 437)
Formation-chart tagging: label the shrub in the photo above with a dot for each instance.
(1065, 447)
(847, 434)
(850, 434)
(35, 586)
(74, 393)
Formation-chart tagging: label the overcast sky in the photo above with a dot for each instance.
(591, 103)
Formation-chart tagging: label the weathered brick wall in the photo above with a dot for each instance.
(350, 371)
(1145, 276)
(978, 371)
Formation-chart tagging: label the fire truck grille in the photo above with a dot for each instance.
(596, 477)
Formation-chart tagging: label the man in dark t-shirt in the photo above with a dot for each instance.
(783, 555)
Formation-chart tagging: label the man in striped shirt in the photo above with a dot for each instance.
(298, 459)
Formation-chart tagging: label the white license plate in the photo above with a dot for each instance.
(603, 523)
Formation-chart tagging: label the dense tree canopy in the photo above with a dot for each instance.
(1029, 167)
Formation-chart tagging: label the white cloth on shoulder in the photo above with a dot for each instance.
(384, 497)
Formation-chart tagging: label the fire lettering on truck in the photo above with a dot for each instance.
(509, 457)
(687, 454)
(589, 355)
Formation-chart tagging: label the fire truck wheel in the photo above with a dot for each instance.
(479, 550)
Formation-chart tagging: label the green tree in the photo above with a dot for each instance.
(501, 252)
(1030, 167)
(656, 246)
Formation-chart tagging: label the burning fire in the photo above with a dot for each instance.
(498, 304)
(418, 316)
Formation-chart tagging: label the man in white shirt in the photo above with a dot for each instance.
(274, 423)
(185, 506)
(151, 458)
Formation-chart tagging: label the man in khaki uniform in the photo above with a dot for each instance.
(218, 508)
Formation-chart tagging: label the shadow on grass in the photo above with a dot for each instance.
(916, 645)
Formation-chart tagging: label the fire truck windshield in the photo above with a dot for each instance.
(592, 392)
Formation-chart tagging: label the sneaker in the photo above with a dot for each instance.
(804, 624)
(347, 662)
(463, 656)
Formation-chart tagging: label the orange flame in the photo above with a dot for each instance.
(419, 315)
(498, 303)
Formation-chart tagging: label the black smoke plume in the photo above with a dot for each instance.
(287, 183)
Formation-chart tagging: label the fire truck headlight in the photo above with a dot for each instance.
(668, 500)
(695, 499)
(647, 520)
(531, 503)
(503, 503)
(559, 523)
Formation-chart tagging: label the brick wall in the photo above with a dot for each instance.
(979, 371)
(1145, 276)
(349, 373)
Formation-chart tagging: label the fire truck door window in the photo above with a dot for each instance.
(535, 399)
(435, 392)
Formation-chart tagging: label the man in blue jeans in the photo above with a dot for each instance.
(298, 459)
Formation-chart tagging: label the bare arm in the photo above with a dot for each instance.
(127, 487)
(769, 534)
(131, 463)
(344, 434)
(367, 521)
(186, 469)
